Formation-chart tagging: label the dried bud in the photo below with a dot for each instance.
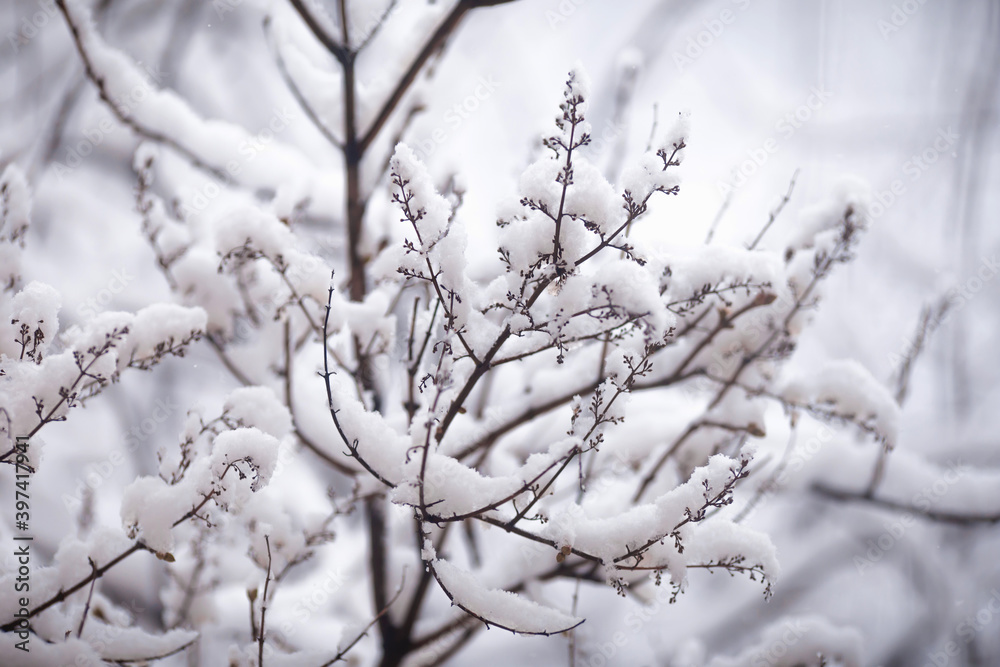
(764, 298)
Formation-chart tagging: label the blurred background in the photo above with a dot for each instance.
(903, 95)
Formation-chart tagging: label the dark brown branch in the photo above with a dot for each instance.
(934, 515)
(436, 41)
(489, 622)
(339, 51)
(62, 595)
(90, 596)
(263, 606)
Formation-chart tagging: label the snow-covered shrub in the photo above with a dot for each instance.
(407, 444)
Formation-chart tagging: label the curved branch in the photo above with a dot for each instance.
(98, 80)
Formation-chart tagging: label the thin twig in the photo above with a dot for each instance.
(263, 605)
(776, 212)
(364, 633)
(90, 595)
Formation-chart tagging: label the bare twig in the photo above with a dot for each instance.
(90, 596)
(364, 633)
(775, 213)
(263, 606)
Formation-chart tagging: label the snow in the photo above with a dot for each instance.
(848, 192)
(259, 407)
(611, 536)
(25, 381)
(37, 306)
(71, 651)
(149, 509)
(134, 643)
(159, 327)
(222, 145)
(198, 280)
(251, 446)
(800, 640)
(851, 392)
(502, 608)
(72, 560)
(287, 207)
(452, 488)
(719, 540)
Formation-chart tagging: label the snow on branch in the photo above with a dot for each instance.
(499, 608)
(161, 116)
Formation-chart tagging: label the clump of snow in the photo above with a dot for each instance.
(259, 407)
(137, 95)
(438, 242)
(130, 644)
(851, 392)
(720, 540)
(437, 210)
(378, 443)
(249, 224)
(499, 607)
(149, 509)
(848, 193)
(198, 279)
(240, 449)
(800, 641)
(608, 536)
(160, 326)
(455, 488)
(36, 307)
